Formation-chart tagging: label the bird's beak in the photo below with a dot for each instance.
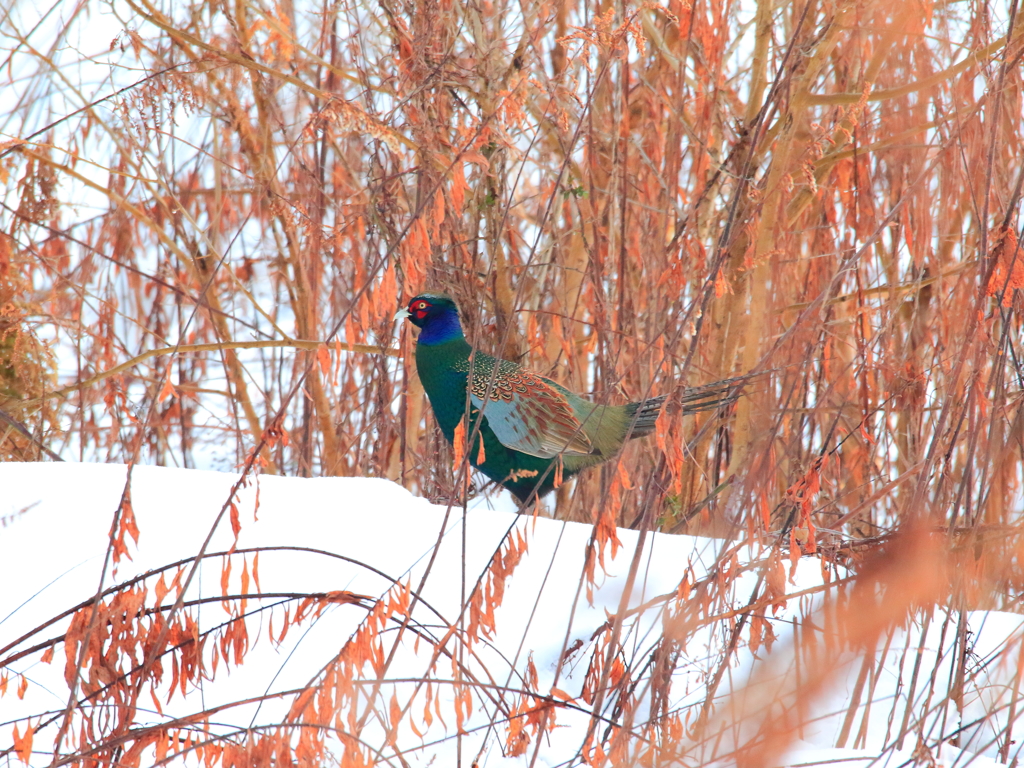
(402, 314)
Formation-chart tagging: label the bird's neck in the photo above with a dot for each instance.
(443, 358)
(442, 371)
(442, 330)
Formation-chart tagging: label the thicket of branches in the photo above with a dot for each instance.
(211, 212)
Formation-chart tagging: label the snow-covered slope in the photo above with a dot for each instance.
(331, 549)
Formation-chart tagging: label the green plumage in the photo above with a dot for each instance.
(444, 372)
(529, 423)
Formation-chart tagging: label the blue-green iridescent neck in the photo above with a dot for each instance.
(441, 329)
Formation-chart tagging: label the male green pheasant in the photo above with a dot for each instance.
(533, 432)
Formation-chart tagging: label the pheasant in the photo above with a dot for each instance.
(533, 432)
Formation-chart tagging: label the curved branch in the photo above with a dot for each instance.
(918, 85)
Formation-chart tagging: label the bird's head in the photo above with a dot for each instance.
(436, 314)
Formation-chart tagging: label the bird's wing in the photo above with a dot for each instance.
(526, 413)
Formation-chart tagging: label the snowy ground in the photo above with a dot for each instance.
(56, 520)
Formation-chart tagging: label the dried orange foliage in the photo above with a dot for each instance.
(1008, 267)
(491, 592)
(631, 198)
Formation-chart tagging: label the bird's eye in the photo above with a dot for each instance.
(421, 305)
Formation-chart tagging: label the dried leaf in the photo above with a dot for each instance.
(459, 444)
(323, 357)
(23, 743)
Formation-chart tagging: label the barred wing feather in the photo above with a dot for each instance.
(525, 412)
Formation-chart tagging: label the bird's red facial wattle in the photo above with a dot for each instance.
(419, 308)
(435, 314)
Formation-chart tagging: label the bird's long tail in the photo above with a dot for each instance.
(644, 414)
(707, 397)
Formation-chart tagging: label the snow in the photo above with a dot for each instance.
(362, 535)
